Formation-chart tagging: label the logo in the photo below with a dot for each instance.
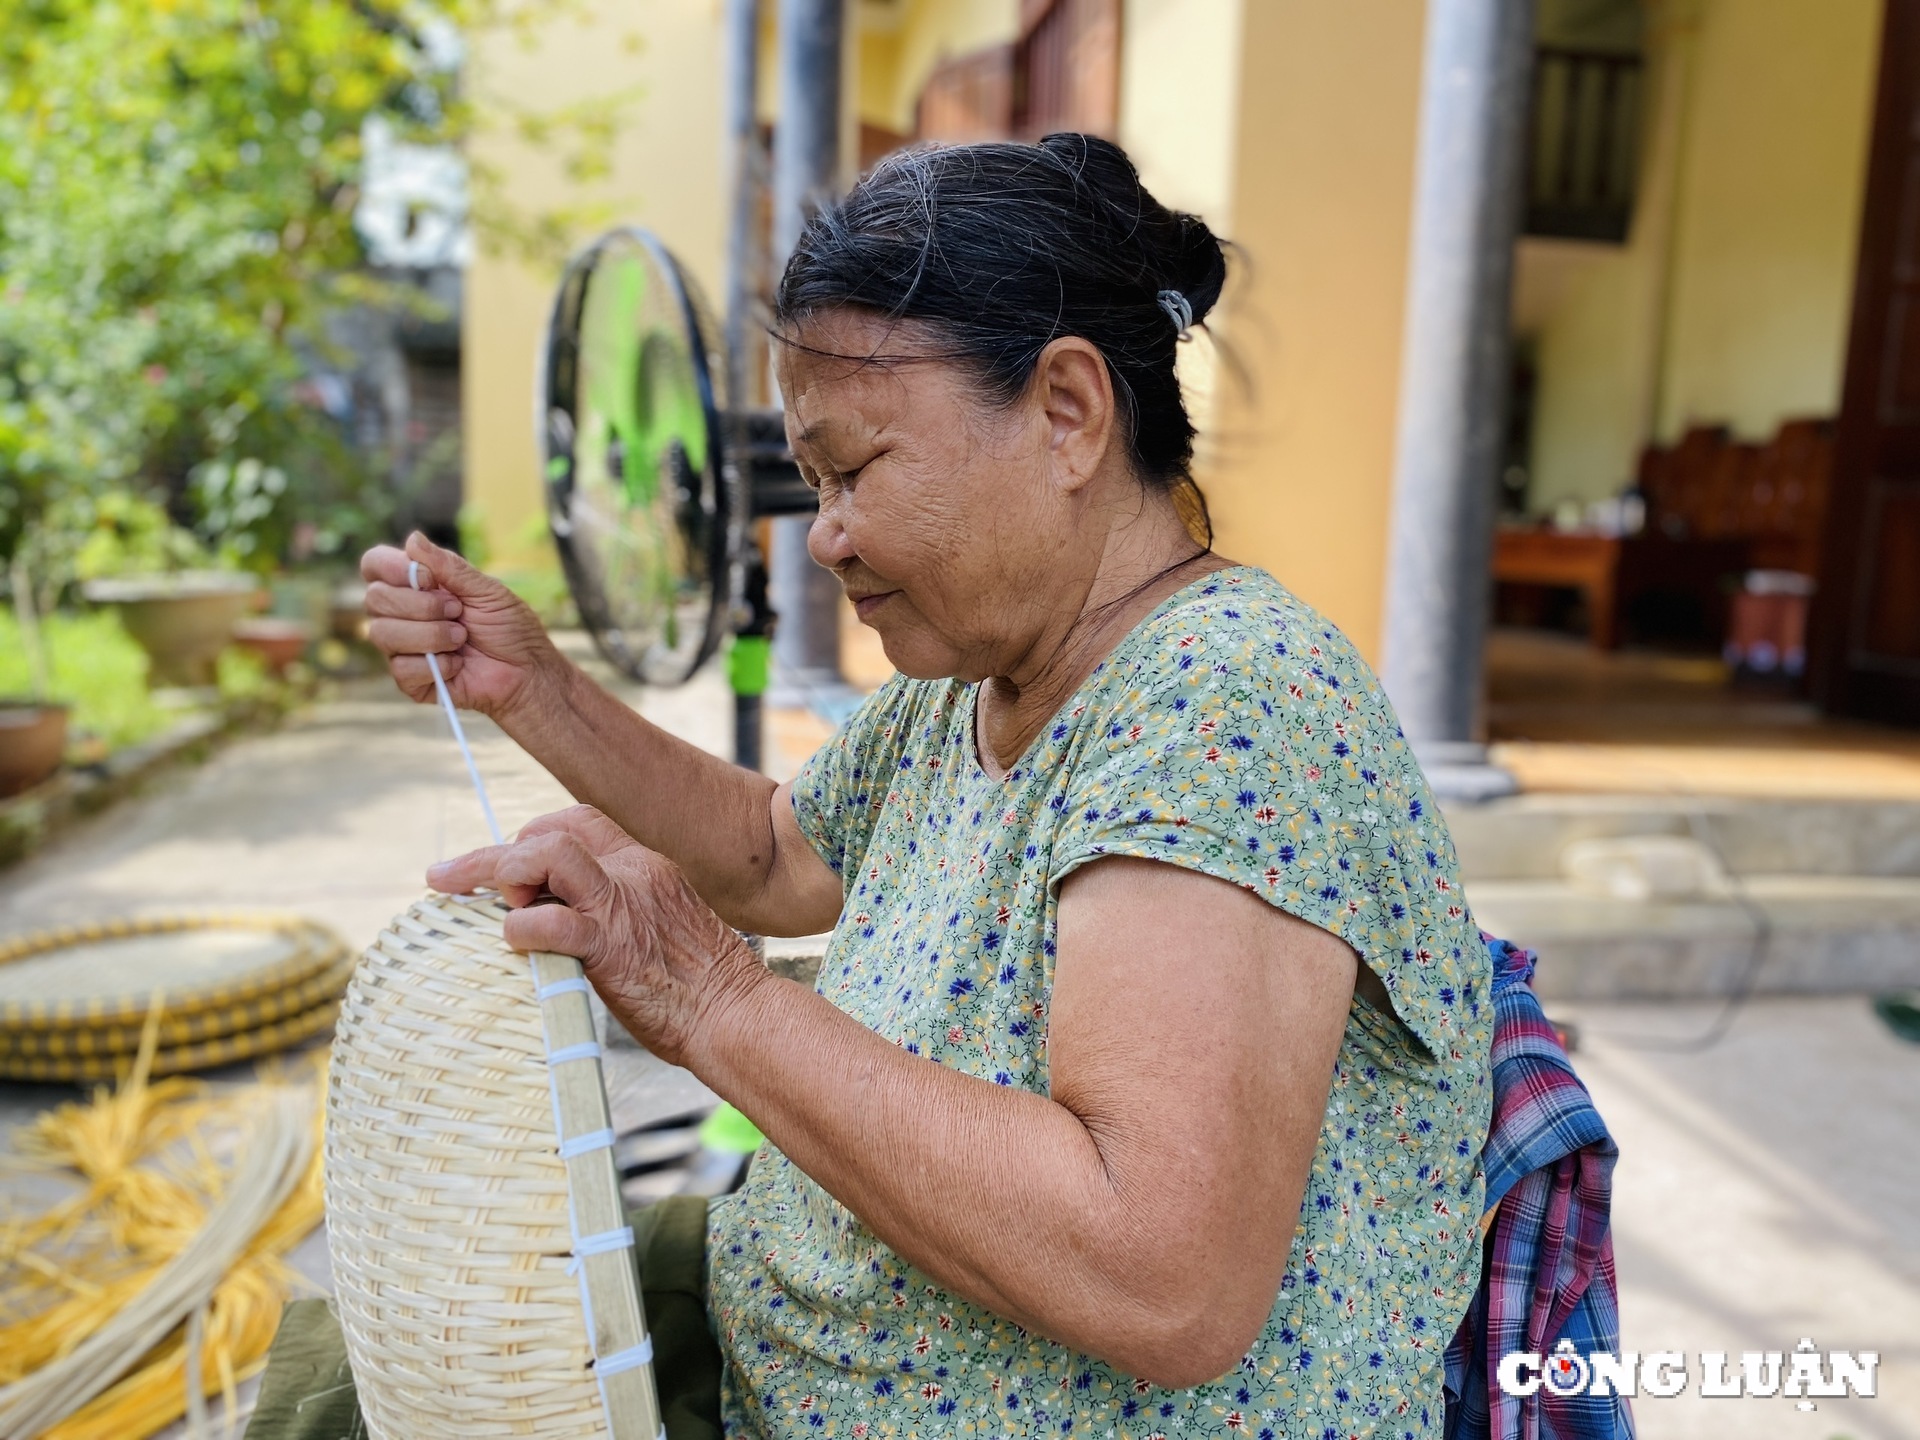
(1804, 1375)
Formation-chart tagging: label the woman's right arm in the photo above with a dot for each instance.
(731, 830)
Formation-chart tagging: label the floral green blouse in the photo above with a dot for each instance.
(1237, 733)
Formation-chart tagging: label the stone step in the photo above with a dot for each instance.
(1523, 837)
(1776, 933)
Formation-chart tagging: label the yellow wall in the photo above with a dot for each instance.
(1769, 210)
(1299, 475)
(1765, 104)
(1179, 93)
(1593, 358)
(668, 174)
(877, 85)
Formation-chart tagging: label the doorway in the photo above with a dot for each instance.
(1866, 623)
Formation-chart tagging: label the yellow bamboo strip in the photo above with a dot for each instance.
(144, 1207)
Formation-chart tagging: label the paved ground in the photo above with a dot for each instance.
(337, 816)
(1768, 1190)
(1770, 1186)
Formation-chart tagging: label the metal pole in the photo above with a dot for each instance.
(806, 169)
(743, 152)
(747, 656)
(1454, 380)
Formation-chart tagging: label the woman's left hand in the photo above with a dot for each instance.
(580, 886)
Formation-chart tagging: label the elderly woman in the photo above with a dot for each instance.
(1145, 1084)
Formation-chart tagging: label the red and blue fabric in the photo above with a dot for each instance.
(1548, 1274)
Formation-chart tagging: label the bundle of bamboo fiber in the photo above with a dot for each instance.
(102, 1282)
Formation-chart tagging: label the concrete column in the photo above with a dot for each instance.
(1454, 380)
(806, 168)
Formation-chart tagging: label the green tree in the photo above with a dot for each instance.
(177, 187)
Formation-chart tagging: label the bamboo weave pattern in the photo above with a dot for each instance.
(472, 1206)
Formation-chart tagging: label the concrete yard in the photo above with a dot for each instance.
(1770, 1182)
(1768, 1191)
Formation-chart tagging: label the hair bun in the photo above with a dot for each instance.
(1177, 251)
(1198, 266)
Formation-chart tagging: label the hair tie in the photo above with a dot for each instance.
(1179, 310)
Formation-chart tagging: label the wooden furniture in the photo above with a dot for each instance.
(1061, 73)
(1771, 498)
(1565, 559)
(968, 98)
(1716, 509)
(1067, 76)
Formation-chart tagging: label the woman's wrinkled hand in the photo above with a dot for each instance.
(493, 650)
(580, 886)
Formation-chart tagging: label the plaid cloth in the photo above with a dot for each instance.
(1548, 1272)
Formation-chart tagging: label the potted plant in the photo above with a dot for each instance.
(171, 598)
(33, 729)
(33, 738)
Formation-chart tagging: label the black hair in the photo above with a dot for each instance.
(999, 249)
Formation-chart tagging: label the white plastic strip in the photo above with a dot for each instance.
(605, 1241)
(631, 1358)
(453, 719)
(581, 1144)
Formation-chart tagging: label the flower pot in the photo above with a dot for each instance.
(277, 642)
(347, 617)
(182, 621)
(33, 736)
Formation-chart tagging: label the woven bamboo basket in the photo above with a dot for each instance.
(482, 1266)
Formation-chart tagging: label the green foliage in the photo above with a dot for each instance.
(543, 587)
(242, 675)
(177, 186)
(239, 501)
(97, 669)
(472, 524)
(545, 590)
(132, 534)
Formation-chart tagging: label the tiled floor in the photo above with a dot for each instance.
(1564, 716)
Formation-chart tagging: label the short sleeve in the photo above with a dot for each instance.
(839, 791)
(1255, 746)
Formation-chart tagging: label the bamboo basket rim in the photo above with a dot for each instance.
(176, 1059)
(315, 949)
(114, 1041)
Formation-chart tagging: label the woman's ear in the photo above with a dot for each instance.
(1074, 391)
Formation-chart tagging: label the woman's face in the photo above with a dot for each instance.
(953, 523)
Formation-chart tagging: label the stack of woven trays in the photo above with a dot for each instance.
(75, 1000)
